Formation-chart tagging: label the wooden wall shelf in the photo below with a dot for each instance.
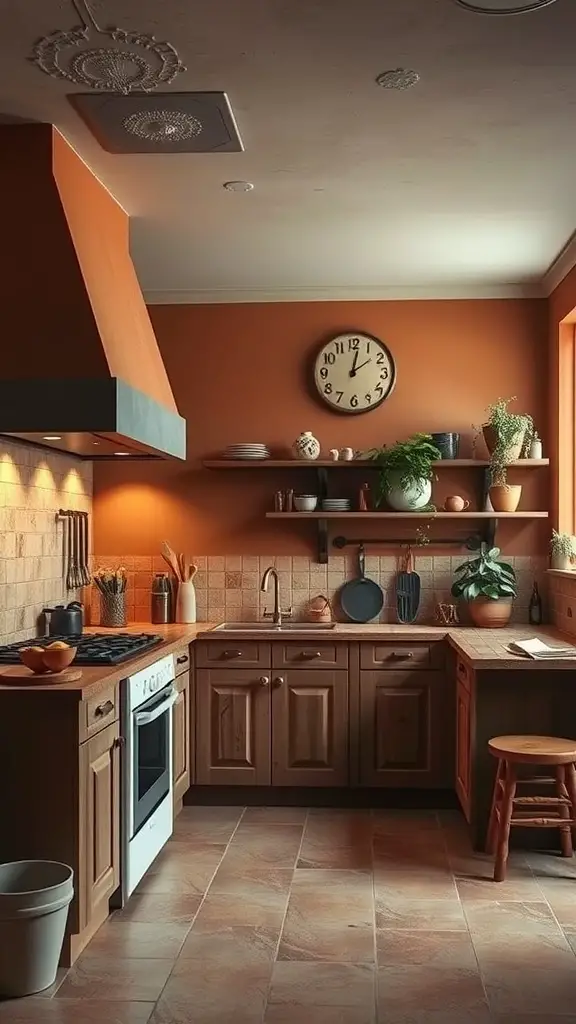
(319, 514)
(355, 464)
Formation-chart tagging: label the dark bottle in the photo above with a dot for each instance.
(535, 607)
(160, 599)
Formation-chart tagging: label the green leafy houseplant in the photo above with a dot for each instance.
(512, 433)
(406, 464)
(488, 586)
(563, 549)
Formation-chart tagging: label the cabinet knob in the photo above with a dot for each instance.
(400, 655)
(309, 655)
(120, 741)
(103, 709)
(279, 681)
(232, 654)
(182, 659)
(264, 680)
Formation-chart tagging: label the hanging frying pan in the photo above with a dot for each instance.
(361, 599)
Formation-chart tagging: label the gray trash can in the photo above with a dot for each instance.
(34, 900)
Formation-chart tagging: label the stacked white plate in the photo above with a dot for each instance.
(247, 451)
(336, 504)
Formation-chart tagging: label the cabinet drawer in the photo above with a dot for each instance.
(100, 711)
(393, 656)
(315, 654)
(181, 661)
(463, 673)
(232, 654)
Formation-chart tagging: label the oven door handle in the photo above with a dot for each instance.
(145, 717)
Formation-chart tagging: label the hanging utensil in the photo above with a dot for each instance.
(361, 599)
(68, 546)
(408, 587)
(86, 551)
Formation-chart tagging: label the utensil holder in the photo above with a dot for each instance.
(186, 602)
(113, 610)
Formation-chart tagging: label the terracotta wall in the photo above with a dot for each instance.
(239, 373)
(33, 486)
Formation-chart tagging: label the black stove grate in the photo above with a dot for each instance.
(93, 648)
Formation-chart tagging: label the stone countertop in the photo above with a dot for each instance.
(482, 649)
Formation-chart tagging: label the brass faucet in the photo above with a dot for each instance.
(277, 614)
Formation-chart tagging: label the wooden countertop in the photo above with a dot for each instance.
(483, 649)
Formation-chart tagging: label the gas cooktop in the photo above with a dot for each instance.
(93, 648)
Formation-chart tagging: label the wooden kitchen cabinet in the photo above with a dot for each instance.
(310, 728)
(181, 740)
(233, 727)
(464, 747)
(403, 738)
(100, 821)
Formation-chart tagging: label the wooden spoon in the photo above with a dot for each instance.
(171, 559)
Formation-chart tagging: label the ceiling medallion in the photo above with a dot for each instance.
(503, 6)
(399, 78)
(135, 61)
(162, 125)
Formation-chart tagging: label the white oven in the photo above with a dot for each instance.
(147, 818)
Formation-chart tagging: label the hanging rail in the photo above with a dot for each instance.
(471, 542)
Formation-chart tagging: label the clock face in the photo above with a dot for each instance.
(354, 373)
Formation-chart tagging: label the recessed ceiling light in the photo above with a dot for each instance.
(398, 78)
(503, 6)
(238, 186)
(121, 453)
(52, 437)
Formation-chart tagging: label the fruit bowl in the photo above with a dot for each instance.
(54, 658)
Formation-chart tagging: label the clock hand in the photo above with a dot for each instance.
(365, 363)
(353, 370)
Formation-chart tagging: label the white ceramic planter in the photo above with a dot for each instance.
(560, 562)
(409, 499)
(535, 450)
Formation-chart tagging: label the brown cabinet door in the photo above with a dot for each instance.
(310, 728)
(100, 761)
(181, 753)
(233, 727)
(405, 733)
(463, 749)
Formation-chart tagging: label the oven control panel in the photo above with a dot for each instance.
(141, 686)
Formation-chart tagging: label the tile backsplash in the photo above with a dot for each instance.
(228, 587)
(34, 484)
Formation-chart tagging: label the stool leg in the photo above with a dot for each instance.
(492, 834)
(570, 779)
(564, 812)
(506, 809)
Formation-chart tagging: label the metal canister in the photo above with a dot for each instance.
(160, 599)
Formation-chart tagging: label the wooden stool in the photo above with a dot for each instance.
(509, 809)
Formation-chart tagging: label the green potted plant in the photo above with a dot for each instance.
(508, 436)
(406, 473)
(562, 548)
(488, 586)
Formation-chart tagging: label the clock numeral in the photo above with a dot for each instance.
(368, 398)
(328, 389)
(339, 347)
(380, 358)
(330, 358)
(380, 390)
(324, 372)
(354, 402)
(367, 348)
(353, 344)
(384, 375)
(340, 396)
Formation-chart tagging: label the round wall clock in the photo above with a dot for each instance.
(354, 373)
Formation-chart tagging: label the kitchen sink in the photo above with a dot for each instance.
(259, 627)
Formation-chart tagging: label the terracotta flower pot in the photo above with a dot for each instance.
(491, 438)
(505, 497)
(489, 614)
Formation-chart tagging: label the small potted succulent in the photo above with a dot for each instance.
(562, 550)
(406, 473)
(488, 587)
(508, 436)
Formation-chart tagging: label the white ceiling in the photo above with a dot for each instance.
(463, 185)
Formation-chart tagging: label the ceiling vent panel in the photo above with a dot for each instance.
(170, 122)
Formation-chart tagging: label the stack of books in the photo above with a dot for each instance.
(540, 651)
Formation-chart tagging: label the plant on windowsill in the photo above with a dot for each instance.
(562, 550)
(488, 587)
(508, 436)
(406, 473)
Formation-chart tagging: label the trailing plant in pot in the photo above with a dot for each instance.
(488, 586)
(508, 436)
(406, 473)
(562, 550)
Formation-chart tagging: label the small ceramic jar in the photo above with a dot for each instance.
(535, 450)
(347, 454)
(307, 446)
(334, 454)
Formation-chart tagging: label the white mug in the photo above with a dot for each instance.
(347, 454)
(334, 453)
